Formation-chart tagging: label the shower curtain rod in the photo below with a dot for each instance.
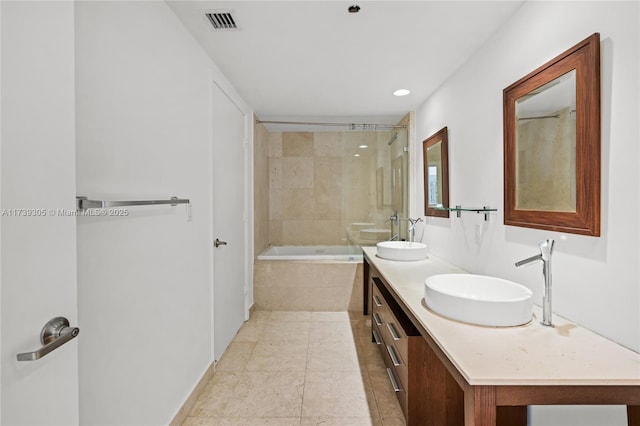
(353, 126)
(539, 117)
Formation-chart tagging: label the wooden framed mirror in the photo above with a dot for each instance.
(436, 174)
(552, 144)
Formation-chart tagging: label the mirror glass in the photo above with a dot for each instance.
(546, 147)
(436, 174)
(552, 144)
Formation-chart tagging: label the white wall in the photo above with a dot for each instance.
(596, 280)
(144, 130)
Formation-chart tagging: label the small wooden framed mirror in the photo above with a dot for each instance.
(552, 144)
(436, 174)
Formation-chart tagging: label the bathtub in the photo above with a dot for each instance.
(308, 278)
(334, 253)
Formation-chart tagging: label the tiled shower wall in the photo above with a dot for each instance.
(307, 171)
(261, 188)
(305, 188)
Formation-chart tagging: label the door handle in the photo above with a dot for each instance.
(219, 243)
(55, 333)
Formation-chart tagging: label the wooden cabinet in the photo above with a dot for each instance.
(432, 390)
(422, 385)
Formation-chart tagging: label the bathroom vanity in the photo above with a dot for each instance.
(446, 372)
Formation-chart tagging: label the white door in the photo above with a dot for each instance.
(38, 229)
(229, 221)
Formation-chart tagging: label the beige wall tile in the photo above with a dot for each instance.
(327, 144)
(276, 204)
(298, 232)
(297, 144)
(329, 232)
(275, 232)
(298, 204)
(275, 144)
(275, 174)
(297, 172)
(261, 188)
(328, 172)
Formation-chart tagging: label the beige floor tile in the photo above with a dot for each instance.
(371, 354)
(393, 421)
(340, 421)
(278, 356)
(258, 315)
(282, 331)
(386, 400)
(250, 331)
(266, 421)
(363, 336)
(202, 421)
(215, 396)
(336, 394)
(330, 316)
(333, 356)
(266, 394)
(290, 316)
(236, 356)
(331, 332)
(283, 365)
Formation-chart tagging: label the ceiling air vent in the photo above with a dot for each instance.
(222, 20)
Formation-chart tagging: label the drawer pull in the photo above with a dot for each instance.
(394, 381)
(394, 358)
(392, 330)
(376, 337)
(377, 319)
(376, 300)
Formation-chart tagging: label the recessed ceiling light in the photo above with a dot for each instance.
(401, 92)
(356, 155)
(363, 146)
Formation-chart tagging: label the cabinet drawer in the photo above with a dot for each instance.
(394, 333)
(396, 384)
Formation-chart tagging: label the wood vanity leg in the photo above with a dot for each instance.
(511, 416)
(480, 406)
(633, 415)
(365, 287)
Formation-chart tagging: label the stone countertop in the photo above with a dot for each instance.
(533, 354)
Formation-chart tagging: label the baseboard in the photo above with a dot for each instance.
(186, 408)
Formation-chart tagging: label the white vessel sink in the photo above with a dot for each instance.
(479, 299)
(401, 250)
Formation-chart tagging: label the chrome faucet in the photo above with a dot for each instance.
(411, 229)
(394, 220)
(546, 251)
